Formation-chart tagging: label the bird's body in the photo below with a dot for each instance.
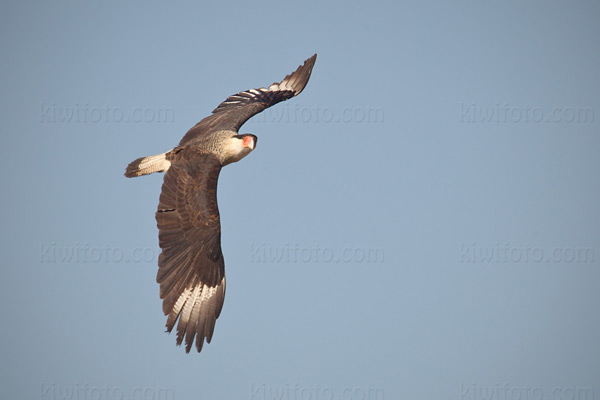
(191, 270)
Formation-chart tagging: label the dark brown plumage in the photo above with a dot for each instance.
(191, 270)
(240, 107)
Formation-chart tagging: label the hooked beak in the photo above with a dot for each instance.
(248, 142)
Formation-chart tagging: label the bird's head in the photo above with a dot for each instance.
(249, 141)
(239, 146)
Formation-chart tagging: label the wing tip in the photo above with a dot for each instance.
(195, 320)
(298, 79)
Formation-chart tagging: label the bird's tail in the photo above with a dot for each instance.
(148, 165)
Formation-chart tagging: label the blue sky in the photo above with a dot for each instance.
(421, 222)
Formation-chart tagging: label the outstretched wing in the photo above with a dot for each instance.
(239, 108)
(191, 270)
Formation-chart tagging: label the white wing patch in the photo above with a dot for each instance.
(249, 94)
(200, 293)
(197, 309)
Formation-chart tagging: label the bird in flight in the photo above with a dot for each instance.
(191, 270)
